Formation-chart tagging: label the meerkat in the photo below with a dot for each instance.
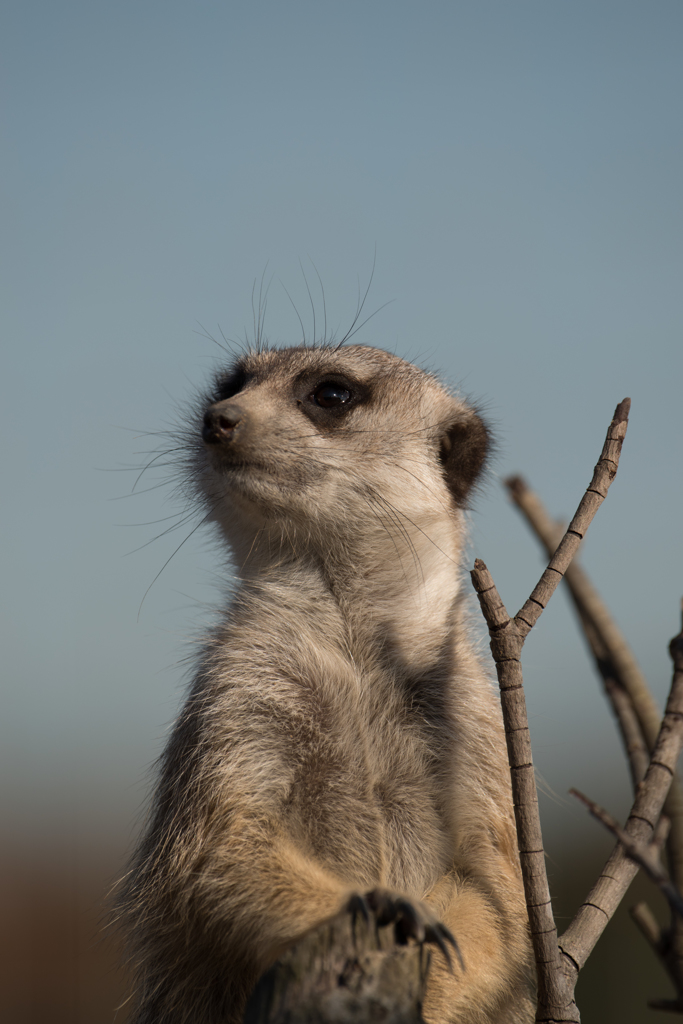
(341, 739)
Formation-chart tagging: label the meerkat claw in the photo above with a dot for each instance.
(411, 921)
(442, 936)
(358, 907)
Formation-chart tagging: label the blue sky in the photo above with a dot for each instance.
(516, 168)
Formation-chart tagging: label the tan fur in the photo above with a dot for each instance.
(341, 734)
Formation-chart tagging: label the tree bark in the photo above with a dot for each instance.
(345, 971)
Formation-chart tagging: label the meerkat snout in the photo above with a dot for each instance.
(220, 422)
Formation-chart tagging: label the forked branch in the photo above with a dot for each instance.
(603, 475)
(608, 644)
(634, 707)
(579, 940)
(625, 686)
(645, 855)
(556, 972)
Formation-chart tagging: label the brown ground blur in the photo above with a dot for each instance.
(58, 967)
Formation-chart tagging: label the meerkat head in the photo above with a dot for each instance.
(321, 440)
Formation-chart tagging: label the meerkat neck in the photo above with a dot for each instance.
(402, 594)
(395, 591)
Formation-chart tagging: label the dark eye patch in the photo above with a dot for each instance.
(230, 385)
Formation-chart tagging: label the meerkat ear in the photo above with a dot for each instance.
(464, 446)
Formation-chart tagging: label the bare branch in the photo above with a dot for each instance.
(603, 475)
(629, 726)
(590, 921)
(646, 855)
(626, 688)
(648, 925)
(556, 972)
(506, 646)
(672, 1005)
(628, 692)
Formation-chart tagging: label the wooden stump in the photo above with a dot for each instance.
(343, 972)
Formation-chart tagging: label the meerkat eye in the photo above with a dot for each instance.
(230, 385)
(328, 396)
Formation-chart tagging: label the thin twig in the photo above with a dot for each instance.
(628, 692)
(625, 686)
(506, 647)
(648, 925)
(603, 475)
(589, 923)
(646, 855)
(632, 738)
(611, 643)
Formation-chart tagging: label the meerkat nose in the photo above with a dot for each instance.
(220, 423)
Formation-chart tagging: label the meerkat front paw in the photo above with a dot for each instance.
(411, 919)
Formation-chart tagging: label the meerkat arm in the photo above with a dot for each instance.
(267, 891)
(485, 914)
